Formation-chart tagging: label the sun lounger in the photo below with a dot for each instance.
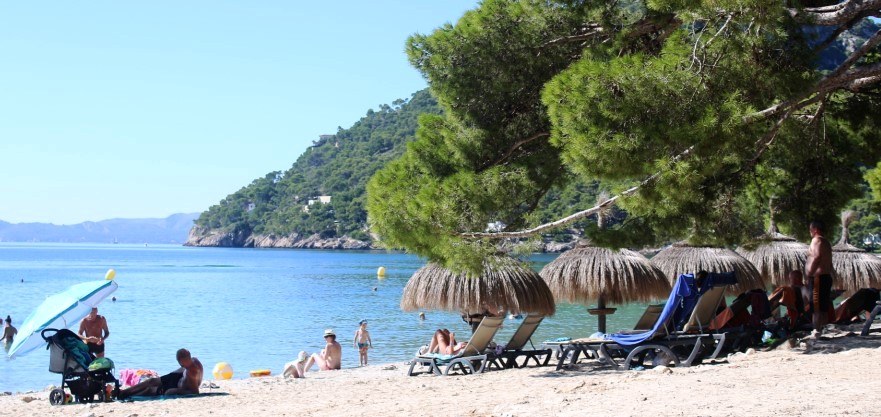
(516, 347)
(662, 340)
(471, 359)
(649, 317)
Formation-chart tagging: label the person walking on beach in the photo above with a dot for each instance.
(9, 333)
(330, 357)
(819, 271)
(362, 341)
(185, 380)
(94, 331)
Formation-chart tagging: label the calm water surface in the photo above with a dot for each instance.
(253, 308)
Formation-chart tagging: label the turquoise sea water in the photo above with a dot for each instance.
(253, 308)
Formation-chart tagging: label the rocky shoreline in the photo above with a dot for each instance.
(202, 237)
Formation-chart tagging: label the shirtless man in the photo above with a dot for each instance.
(185, 380)
(819, 271)
(93, 331)
(330, 357)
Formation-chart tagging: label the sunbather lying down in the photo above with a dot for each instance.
(444, 343)
(185, 380)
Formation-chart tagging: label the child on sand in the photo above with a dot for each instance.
(362, 341)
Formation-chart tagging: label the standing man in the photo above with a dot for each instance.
(93, 331)
(819, 269)
(330, 357)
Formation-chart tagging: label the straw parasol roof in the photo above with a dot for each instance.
(853, 267)
(589, 273)
(777, 257)
(505, 283)
(682, 258)
(585, 273)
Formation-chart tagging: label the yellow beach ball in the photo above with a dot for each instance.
(222, 370)
(380, 272)
(110, 274)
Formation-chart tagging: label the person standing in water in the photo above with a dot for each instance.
(94, 331)
(9, 333)
(362, 341)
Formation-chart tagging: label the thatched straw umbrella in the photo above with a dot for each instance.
(776, 257)
(854, 267)
(505, 283)
(587, 273)
(682, 258)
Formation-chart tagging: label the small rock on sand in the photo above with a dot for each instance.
(662, 370)
(27, 399)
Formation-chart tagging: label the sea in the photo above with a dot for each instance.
(251, 308)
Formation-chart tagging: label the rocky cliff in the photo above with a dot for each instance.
(200, 236)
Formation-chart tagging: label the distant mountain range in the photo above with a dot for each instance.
(172, 229)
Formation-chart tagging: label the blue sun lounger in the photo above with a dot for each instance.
(663, 339)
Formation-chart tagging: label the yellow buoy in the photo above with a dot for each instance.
(380, 272)
(222, 370)
(110, 274)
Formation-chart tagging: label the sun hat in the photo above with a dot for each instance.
(329, 332)
(302, 356)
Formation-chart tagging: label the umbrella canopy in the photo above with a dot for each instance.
(504, 283)
(586, 273)
(60, 311)
(589, 273)
(682, 258)
(776, 257)
(853, 267)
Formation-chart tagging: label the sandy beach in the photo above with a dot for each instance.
(837, 376)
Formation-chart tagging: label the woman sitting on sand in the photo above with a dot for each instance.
(444, 343)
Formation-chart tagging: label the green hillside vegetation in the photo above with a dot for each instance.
(336, 165)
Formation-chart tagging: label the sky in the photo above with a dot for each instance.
(114, 109)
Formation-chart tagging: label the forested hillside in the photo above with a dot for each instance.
(336, 165)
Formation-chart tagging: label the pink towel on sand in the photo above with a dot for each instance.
(129, 377)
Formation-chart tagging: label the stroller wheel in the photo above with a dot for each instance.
(56, 396)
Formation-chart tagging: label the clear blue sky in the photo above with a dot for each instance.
(143, 109)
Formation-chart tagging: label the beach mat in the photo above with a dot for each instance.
(172, 397)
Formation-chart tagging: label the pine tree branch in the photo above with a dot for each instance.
(840, 78)
(516, 146)
(576, 216)
(836, 14)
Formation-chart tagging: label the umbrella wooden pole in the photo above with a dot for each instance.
(601, 312)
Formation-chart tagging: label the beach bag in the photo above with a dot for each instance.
(101, 364)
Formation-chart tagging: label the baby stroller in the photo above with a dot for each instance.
(85, 376)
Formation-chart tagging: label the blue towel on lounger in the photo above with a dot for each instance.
(680, 289)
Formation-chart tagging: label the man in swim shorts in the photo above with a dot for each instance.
(185, 380)
(819, 270)
(93, 331)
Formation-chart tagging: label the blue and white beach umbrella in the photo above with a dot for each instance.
(58, 312)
